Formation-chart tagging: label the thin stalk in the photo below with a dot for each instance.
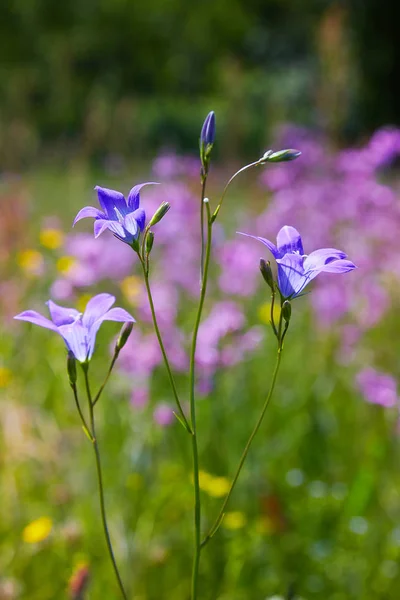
(245, 168)
(107, 377)
(221, 513)
(272, 314)
(195, 451)
(78, 406)
(203, 193)
(182, 416)
(100, 482)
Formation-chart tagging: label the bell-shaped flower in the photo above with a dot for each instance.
(296, 269)
(123, 217)
(79, 330)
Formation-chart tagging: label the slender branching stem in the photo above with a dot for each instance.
(272, 314)
(78, 406)
(202, 208)
(107, 377)
(195, 451)
(245, 168)
(100, 482)
(242, 460)
(182, 417)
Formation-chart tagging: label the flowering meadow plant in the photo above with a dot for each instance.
(79, 330)
(128, 222)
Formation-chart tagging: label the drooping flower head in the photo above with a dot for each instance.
(296, 269)
(79, 330)
(123, 217)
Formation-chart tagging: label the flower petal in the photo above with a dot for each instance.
(339, 266)
(113, 203)
(271, 247)
(134, 197)
(140, 216)
(88, 211)
(319, 258)
(101, 224)
(115, 314)
(37, 319)
(97, 308)
(61, 315)
(76, 336)
(118, 314)
(291, 276)
(131, 225)
(289, 241)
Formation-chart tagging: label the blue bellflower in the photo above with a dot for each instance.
(296, 269)
(123, 217)
(79, 330)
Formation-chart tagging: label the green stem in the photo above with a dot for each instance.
(245, 168)
(203, 192)
(182, 416)
(100, 481)
(221, 513)
(103, 385)
(78, 406)
(195, 451)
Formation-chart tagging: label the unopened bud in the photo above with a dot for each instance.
(281, 155)
(286, 311)
(125, 332)
(71, 368)
(160, 213)
(266, 272)
(149, 241)
(207, 136)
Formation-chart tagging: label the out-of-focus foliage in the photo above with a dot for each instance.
(117, 75)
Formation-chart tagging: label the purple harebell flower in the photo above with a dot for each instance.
(79, 330)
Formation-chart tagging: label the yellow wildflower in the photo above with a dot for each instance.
(30, 261)
(213, 486)
(37, 530)
(217, 487)
(131, 288)
(234, 520)
(65, 263)
(204, 480)
(5, 377)
(264, 312)
(51, 238)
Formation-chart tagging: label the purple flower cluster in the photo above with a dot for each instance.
(378, 388)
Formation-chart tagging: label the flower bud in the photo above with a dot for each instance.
(266, 272)
(125, 332)
(71, 368)
(160, 213)
(286, 311)
(207, 136)
(149, 241)
(281, 155)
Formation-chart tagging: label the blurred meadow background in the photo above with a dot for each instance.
(113, 93)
